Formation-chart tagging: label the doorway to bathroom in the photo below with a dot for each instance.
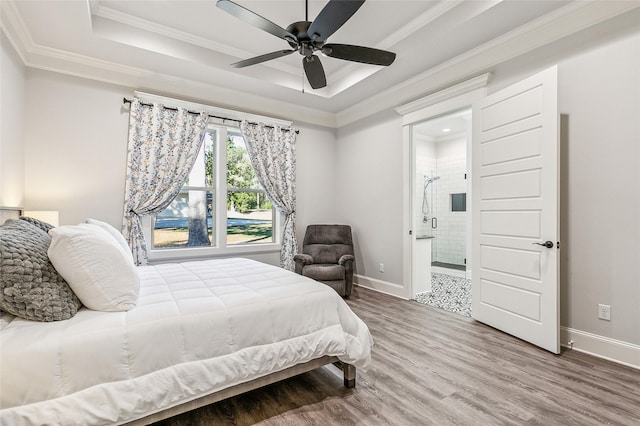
(513, 159)
(440, 209)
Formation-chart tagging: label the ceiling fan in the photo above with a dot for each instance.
(307, 38)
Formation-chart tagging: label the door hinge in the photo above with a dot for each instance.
(558, 244)
(465, 176)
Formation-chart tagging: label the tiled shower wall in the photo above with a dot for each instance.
(447, 159)
(450, 234)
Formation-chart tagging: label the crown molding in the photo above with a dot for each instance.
(36, 56)
(64, 62)
(153, 27)
(102, 16)
(448, 93)
(342, 79)
(421, 21)
(136, 32)
(569, 19)
(15, 29)
(110, 14)
(551, 27)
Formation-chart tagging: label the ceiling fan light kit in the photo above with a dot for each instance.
(306, 38)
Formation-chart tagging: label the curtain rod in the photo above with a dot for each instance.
(128, 101)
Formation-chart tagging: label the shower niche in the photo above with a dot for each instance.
(440, 199)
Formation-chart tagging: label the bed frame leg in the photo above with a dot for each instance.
(348, 372)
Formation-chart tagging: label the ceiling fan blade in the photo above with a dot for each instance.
(262, 58)
(314, 71)
(365, 55)
(254, 19)
(334, 14)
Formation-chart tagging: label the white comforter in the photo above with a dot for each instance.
(199, 327)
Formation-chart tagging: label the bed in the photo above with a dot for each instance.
(200, 332)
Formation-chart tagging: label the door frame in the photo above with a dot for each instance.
(454, 98)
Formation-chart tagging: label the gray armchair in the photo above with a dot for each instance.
(327, 256)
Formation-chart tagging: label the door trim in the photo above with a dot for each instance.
(446, 101)
(419, 110)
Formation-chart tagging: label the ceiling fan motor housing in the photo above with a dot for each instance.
(303, 42)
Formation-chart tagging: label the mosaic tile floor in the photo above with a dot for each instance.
(450, 293)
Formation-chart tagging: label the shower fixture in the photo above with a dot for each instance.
(425, 202)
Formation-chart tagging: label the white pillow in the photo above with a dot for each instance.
(115, 234)
(95, 266)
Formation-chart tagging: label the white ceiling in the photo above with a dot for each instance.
(444, 127)
(184, 47)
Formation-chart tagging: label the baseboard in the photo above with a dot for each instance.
(381, 286)
(603, 347)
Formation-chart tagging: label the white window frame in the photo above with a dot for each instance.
(221, 249)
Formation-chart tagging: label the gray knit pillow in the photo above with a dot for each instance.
(30, 287)
(46, 227)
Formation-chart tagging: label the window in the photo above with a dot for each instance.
(221, 204)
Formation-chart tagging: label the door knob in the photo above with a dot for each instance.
(547, 244)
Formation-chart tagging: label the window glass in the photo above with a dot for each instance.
(174, 227)
(188, 220)
(250, 214)
(191, 220)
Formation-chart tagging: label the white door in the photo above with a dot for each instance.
(515, 208)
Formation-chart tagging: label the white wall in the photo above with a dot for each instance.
(369, 194)
(600, 99)
(12, 88)
(76, 154)
(316, 179)
(76, 151)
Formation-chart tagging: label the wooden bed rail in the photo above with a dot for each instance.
(348, 371)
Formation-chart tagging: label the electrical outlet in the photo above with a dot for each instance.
(381, 268)
(604, 312)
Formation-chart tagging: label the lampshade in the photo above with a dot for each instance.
(48, 216)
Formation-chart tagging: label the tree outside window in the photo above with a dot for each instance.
(190, 220)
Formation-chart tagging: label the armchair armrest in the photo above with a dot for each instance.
(345, 258)
(304, 258)
(300, 261)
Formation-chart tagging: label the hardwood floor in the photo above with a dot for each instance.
(432, 367)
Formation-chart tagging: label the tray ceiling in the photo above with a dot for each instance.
(185, 44)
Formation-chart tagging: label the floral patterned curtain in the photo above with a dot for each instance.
(273, 156)
(163, 146)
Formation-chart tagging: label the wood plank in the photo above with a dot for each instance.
(432, 367)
